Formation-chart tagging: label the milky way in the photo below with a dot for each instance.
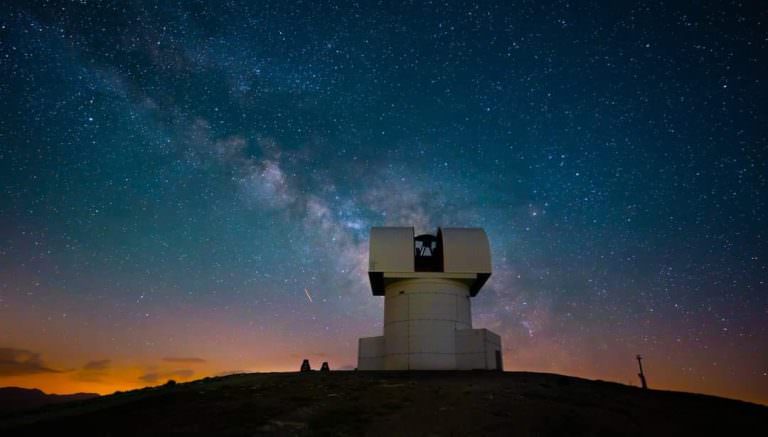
(187, 188)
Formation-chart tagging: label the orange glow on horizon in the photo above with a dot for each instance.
(129, 378)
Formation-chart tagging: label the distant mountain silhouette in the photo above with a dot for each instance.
(17, 398)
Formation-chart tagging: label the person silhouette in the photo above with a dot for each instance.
(305, 366)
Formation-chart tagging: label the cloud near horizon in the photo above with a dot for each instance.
(17, 362)
(93, 371)
(187, 360)
(153, 377)
(229, 372)
(97, 365)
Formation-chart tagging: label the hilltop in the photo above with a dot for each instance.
(397, 403)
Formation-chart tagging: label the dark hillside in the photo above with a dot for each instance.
(398, 403)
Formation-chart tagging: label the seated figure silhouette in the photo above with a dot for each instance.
(305, 366)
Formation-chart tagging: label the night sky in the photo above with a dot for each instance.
(187, 188)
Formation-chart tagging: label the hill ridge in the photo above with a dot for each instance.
(406, 403)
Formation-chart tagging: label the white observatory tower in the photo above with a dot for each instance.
(427, 282)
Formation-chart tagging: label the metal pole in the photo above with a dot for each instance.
(641, 374)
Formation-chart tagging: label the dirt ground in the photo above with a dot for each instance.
(396, 403)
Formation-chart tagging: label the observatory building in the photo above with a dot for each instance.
(427, 282)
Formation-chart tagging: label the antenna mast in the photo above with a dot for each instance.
(641, 374)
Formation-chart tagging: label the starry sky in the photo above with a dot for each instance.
(187, 187)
